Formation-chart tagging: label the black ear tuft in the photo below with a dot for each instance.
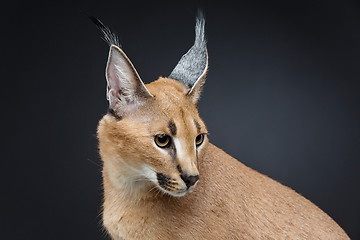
(109, 36)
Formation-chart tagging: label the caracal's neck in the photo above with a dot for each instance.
(127, 189)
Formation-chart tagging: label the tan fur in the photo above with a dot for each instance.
(230, 201)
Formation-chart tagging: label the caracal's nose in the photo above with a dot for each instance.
(190, 180)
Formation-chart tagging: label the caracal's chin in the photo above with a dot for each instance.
(174, 193)
(178, 192)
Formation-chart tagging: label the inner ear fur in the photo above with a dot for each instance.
(125, 89)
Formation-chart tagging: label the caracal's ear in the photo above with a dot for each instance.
(125, 89)
(193, 66)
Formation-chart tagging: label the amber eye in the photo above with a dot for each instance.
(199, 139)
(162, 141)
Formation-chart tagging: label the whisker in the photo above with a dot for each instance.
(95, 163)
(157, 193)
(155, 187)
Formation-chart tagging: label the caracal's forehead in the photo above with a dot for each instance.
(175, 87)
(170, 98)
(170, 105)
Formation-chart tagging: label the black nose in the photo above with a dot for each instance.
(190, 180)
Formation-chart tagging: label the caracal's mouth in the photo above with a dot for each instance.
(170, 186)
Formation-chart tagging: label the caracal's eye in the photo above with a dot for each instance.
(199, 139)
(162, 140)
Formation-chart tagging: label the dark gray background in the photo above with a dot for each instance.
(282, 96)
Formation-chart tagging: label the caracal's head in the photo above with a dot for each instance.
(152, 137)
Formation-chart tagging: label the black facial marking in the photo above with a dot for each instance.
(182, 113)
(171, 183)
(179, 169)
(197, 159)
(173, 152)
(172, 128)
(114, 114)
(169, 188)
(162, 179)
(197, 125)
